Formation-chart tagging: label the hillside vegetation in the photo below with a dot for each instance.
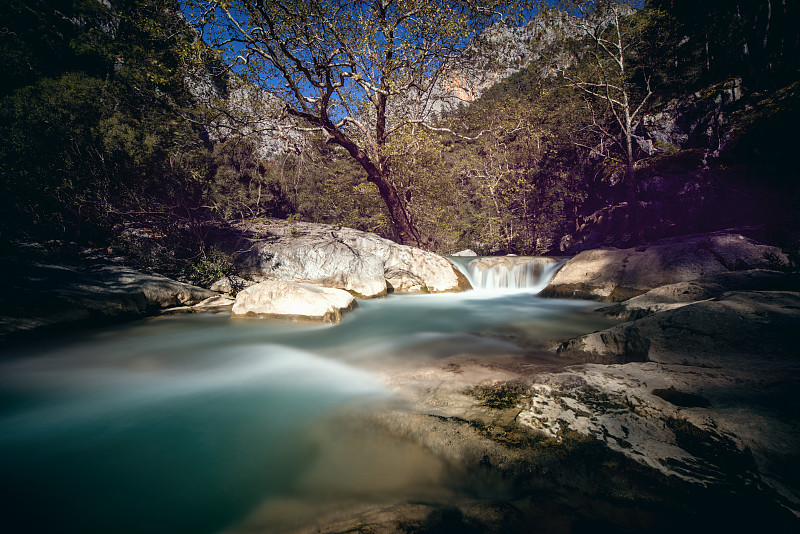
(108, 139)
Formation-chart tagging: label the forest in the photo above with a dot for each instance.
(126, 125)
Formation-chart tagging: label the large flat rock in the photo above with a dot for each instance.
(614, 275)
(709, 427)
(673, 296)
(742, 329)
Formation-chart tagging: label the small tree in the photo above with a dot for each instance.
(358, 70)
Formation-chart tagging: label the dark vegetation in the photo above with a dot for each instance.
(106, 143)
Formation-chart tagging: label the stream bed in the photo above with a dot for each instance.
(190, 423)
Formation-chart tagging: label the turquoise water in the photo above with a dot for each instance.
(190, 423)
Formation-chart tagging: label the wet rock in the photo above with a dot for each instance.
(332, 256)
(614, 275)
(290, 300)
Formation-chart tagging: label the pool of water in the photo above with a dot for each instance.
(190, 423)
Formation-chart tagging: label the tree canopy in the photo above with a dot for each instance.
(106, 125)
(358, 70)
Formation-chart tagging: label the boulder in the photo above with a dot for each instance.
(742, 329)
(614, 275)
(466, 252)
(291, 300)
(159, 291)
(331, 256)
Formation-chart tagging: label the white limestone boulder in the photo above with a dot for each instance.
(331, 256)
(294, 301)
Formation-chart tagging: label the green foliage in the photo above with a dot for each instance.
(101, 130)
(53, 171)
(208, 268)
(437, 206)
(239, 185)
(336, 191)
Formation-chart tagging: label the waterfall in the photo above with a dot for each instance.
(529, 273)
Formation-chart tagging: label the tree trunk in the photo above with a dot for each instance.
(378, 175)
(406, 233)
(637, 233)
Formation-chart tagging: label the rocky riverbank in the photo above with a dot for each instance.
(64, 287)
(683, 416)
(49, 292)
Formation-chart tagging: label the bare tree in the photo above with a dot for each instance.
(611, 79)
(358, 70)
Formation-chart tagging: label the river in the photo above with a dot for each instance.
(190, 423)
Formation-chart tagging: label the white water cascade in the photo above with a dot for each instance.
(528, 273)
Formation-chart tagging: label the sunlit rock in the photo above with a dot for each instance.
(290, 300)
(613, 275)
(332, 256)
(721, 440)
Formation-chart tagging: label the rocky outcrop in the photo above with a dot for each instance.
(465, 252)
(739, 328)
(701, 380)
(709, 427)
(289, 300)
(331, 256)
(614, 275)
(44, 294)
(698, 120)
(672, 296)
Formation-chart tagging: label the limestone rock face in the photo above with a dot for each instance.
(290, 300)
(159, 292)
(739, 328)
(705, 426)
(700, 119)
(613, 275)
(332, 256)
